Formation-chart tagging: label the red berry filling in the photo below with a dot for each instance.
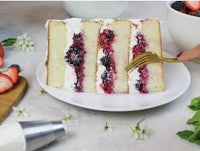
(138, 49)
(75, 57)
(106, 41)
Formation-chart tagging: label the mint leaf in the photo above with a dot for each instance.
(193, 136)
(195, 119)
(9, 42)
(185, 134)
(195, 104)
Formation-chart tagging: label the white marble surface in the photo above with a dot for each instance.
(86, 127)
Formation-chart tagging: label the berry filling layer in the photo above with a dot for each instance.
(108, 76)
(75, 58)
(138, 49)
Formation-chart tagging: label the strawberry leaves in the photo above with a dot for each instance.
(9, 41)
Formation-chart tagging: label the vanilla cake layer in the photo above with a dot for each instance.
(148, 31)
(55, 61)
(91, 32)
(120, 47)
(91, 55)
(151, 30)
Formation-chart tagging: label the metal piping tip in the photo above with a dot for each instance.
(40, 133)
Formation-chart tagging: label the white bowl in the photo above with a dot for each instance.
(92, 9)
(184, 29)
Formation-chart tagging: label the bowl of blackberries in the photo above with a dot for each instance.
(183, 22)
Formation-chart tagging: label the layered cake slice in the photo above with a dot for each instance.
(91, 55)
(72, 51)
(145, 37)
(113, 56)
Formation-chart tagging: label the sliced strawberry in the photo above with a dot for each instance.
(1, 62)
(1, 51)
(12, 72)
(193, 5)
(5, 83)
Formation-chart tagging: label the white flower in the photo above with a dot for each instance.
(138, 132)
(20, 112)
(24, 42)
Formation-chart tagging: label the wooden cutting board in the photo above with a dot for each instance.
(12, 97)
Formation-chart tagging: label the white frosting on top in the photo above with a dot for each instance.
(106, 23)
(134, 74)
(73, 26)
(12, 138)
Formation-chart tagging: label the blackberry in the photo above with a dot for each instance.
(76, 50)
(104, 75)
(138, 85)
(77, 87)
(178, 5)
(105, 61)
(16, 66)
(110, 35)
(197, 14)
(73, 56)
(107, 83)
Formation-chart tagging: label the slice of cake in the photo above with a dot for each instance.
(113, 56)
(91, 55)
(72, 51)
(145, 37)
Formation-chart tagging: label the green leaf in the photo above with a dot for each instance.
(106, 126)
(43, 92)
(9, 41)
(137, 127)
(195, 119)
(185, 134)
(195, 104)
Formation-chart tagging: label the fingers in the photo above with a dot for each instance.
(191, 54)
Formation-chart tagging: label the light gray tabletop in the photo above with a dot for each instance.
(86, 128)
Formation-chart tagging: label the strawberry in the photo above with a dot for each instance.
(193, 5)
(12, 72)
(1, 51)
(1, 62)
(5, 83)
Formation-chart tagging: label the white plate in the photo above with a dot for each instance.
(177, 80)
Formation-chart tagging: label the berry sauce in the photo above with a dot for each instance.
(108, 76)
(75, 58)
(138, 49)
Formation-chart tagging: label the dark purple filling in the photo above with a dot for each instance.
(75, 57)
(106, 40)
(138, 49)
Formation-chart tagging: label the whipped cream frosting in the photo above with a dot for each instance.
(133, 76)
(100, 67)
(74, 26)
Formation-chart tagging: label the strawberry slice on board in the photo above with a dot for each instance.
(1, 51)
(193, 5)
(12, 72)
(5, 83)
(1, 61)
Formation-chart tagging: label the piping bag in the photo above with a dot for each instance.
(30, 135)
